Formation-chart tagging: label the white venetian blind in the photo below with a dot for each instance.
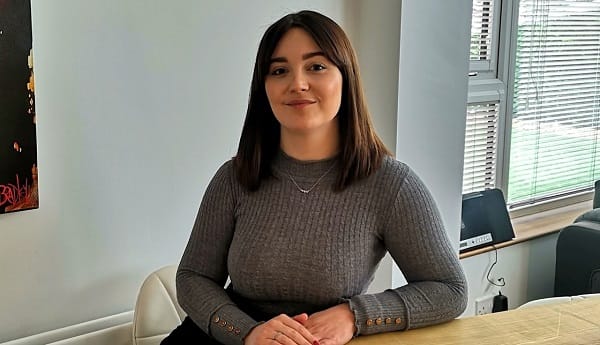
(555, 137)
(481, 30)
(481, 144)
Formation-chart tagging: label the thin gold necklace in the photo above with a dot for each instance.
(306, 191)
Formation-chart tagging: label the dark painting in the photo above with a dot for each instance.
(18, 151)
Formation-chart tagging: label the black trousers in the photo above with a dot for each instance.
(188, 333)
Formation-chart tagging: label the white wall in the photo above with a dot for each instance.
(527, 269)
(432, 95)
(375, 32)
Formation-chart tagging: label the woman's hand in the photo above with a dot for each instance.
(281, 329)
(333, 326)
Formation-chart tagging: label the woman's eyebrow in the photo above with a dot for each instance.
(313, 54)
(304, 57)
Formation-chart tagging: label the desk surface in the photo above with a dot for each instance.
(571, 323)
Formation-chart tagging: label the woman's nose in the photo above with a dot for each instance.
(299, 82)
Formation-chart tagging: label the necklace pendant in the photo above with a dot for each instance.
(306, 191)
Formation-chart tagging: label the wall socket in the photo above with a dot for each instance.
(484, 304)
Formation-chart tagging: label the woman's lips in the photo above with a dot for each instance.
(300, 103)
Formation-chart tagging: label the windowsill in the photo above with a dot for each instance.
(536, 225)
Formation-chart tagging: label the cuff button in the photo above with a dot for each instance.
(398, 321)
(216, 319)
(369, 322)
(388, 320)
(378, 321)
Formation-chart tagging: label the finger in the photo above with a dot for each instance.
(296, 331)
(284, 339)
(302, 318)
(327, 341)
(299, 336)
(281, 338)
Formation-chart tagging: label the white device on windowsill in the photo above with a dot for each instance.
(475, 241)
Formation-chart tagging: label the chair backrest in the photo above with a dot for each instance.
(577, 269)
(157, 312)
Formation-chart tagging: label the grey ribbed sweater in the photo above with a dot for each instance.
(290, 252)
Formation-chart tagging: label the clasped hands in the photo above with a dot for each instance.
(332, 326)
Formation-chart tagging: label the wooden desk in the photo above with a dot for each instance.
(558, 324)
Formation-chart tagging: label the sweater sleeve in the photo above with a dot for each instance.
(202, 272)
(436, 289)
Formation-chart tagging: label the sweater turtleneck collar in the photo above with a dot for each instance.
(305, 169)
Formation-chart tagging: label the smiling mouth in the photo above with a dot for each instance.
(300, 103)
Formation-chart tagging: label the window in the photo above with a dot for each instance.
(549, 122)
(555, 141)
(482, 136)
(481, 146)
(483, 30)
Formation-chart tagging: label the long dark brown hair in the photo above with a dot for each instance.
(362, 151)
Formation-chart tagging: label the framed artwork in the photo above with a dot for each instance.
(18, 148)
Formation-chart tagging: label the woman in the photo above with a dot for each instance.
(300, 218)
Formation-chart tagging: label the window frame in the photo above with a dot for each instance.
(489, 86)
(487, 70)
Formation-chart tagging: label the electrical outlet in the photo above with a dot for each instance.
(484, 304)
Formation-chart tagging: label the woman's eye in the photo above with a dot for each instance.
(278, 71)
(317, 67)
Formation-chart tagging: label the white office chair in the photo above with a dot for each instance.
(562, 299)
(550, 300)
(157, 312)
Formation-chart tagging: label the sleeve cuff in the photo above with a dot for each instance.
(229, 325)
(378, 313)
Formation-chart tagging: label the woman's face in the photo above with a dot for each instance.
(304, 87)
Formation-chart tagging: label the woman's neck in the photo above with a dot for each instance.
(310, 146)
